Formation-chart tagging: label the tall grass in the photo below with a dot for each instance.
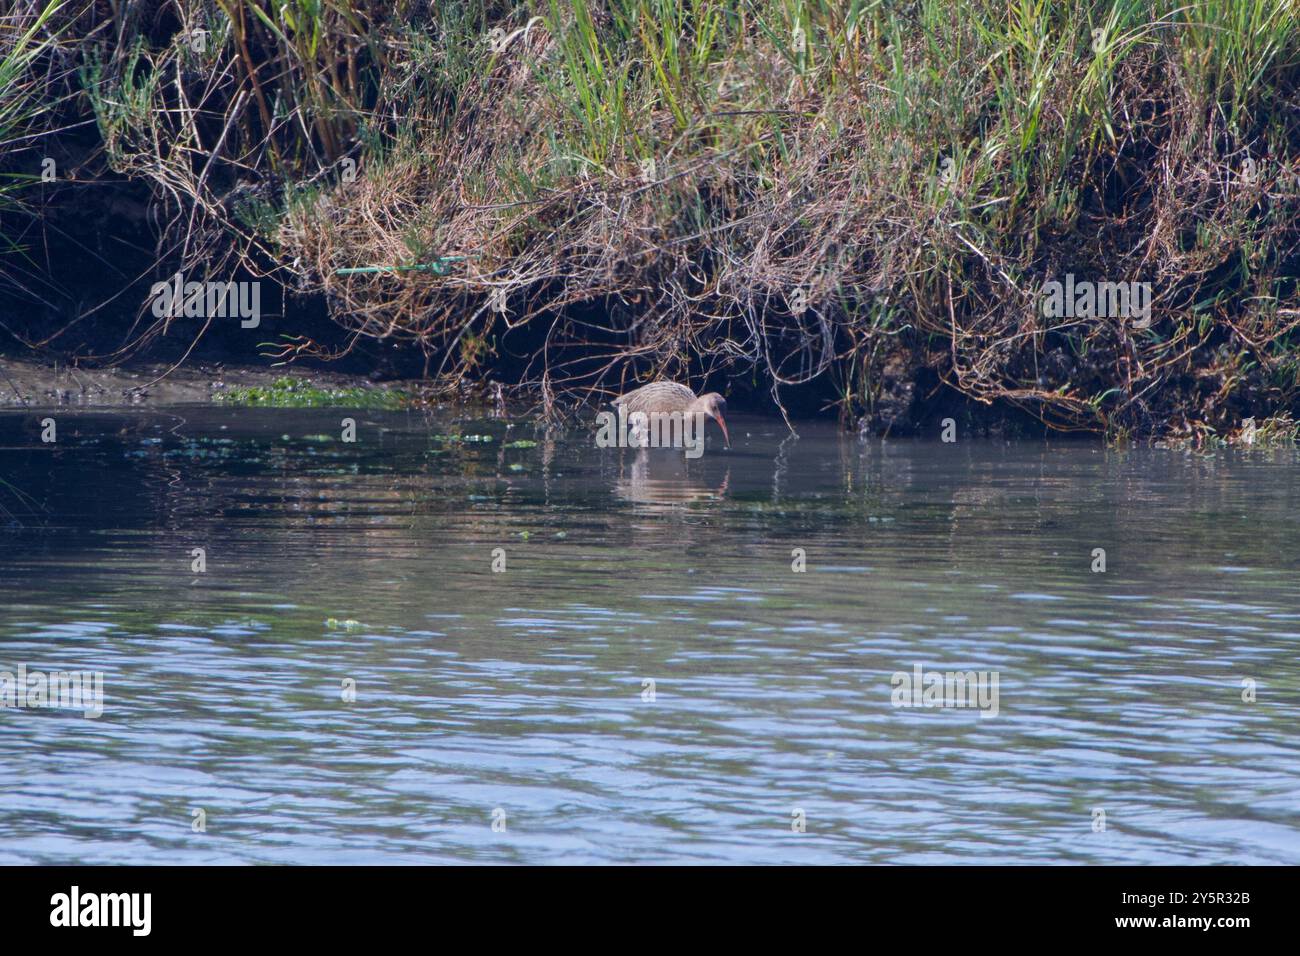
(25, 35)
(1236, 52)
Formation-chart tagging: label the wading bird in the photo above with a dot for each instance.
(665, 398)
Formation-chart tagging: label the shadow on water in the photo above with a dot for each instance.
(529, 690)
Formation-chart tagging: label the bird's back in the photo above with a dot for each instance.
(657, 397)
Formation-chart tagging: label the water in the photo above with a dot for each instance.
(523, 693)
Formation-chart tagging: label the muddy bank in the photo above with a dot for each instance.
(27, 384)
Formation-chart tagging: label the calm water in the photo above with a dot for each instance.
(523, 693)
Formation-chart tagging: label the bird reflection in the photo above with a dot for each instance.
(662, 480)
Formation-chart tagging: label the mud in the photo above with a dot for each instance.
(42, 385)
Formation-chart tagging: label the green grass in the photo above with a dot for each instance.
(298, 393)
(24, 39)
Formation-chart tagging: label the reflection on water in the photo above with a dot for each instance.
(529, 690)
(662, 479)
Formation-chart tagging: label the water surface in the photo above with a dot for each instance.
(523, 694)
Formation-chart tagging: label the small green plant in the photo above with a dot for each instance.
(290, 392)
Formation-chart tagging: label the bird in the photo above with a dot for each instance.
(664, 398)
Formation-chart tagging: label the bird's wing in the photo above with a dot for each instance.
(658, 395)
(629, 399)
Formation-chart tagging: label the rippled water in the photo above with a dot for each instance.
(524, 693)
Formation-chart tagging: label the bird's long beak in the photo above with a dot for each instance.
(723, 426)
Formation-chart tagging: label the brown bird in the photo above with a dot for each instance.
(664, 398)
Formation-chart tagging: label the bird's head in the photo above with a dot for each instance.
(714, 405)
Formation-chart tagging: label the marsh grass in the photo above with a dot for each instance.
(848, 194)
(27, 33)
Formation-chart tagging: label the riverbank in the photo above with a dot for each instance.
(28, 384)
(1086, 213)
